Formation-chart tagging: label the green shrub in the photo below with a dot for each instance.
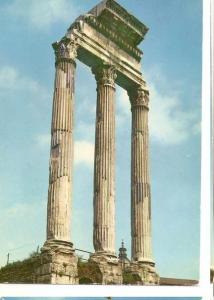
(129, 278)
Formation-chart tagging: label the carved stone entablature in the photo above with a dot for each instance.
(65, 49)
(116, 38)
(139, 97)
(105, 74)
(124, 29)
(121, 21)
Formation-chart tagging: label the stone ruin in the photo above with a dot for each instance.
(106, 39)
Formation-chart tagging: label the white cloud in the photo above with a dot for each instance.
(10, 78)
(169, 120)
(85, 130)
(123, 102)
(123, 108)
(42, 14)
(13, 81)
(43, 140)
(83, 153)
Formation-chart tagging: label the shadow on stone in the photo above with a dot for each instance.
(89, 272)
(132, 279)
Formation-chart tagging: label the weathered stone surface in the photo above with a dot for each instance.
(104, 164)
(102, 36)
(24, 272)
(100, 40)
(140, 187)
(58, 264)
(145, 271)
(61, 153)
(121, 23)
(109, 267)
(104, 176)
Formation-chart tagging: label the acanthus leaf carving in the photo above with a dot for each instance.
(66, 48)
(105, 74)
(139, 97)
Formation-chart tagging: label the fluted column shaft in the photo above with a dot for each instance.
(104, 162)
(140, 183)
(61, 152)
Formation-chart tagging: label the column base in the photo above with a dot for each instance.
(144, 272)
(58, 263)
(109, 267)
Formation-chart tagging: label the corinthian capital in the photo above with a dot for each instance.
(66, 49)
(139, 97)
(105, 74)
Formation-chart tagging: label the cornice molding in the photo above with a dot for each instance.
(130, 19)
(100, 27)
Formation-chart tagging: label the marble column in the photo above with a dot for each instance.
(104, 162)
(140, 182)
(58, 262)
(61, 152)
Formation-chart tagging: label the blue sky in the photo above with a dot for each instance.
(172, 67)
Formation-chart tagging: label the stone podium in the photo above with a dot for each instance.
(106, 39)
